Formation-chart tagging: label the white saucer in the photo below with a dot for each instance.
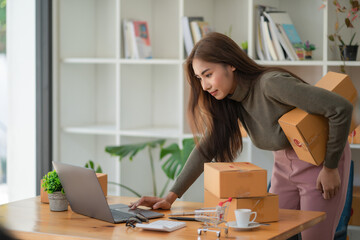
(235, 227)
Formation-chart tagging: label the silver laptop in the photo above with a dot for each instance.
(86, 196)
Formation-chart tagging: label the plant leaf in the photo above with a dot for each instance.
(352, 39)
(91, 164)
(98, 169)
(177, 157)
(348, 23)
(132, 149)
(189, 145)
(331, 38)
(340, 39)
(51, 182)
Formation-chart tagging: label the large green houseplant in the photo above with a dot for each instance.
(344, 31)
(52, 185)
(173, 156)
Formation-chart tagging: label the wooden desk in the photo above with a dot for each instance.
(30, 219)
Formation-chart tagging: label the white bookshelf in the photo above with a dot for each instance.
(102, 99)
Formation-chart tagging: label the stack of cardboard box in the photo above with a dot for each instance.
(246, 184)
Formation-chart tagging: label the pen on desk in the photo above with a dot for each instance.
(182, 213)
(183, 218)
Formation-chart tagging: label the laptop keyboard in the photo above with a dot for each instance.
(119, 216)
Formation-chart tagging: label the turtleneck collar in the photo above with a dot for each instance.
(241, 91)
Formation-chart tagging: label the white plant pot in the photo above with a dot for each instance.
(58, 202)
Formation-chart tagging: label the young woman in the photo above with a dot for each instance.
(227, 87)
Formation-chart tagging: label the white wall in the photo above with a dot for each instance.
(21, 88)
(3, 111)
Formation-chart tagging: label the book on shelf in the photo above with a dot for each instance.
(263, 34)
(268, 39)
(286, 47)
(195, 31)
(126, 39)
(274, 33)
(129, 38)
(187, 31)
(294, 39)
(142, 39)
(261, 48)
(292, 53)
(205, 28)
(288, 31)
(199, 29)
(137, 44)
(259, 45)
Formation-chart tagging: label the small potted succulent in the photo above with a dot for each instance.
(57, 198)
(244, 46)
(308, 48)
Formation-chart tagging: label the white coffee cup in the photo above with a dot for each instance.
(243, 217)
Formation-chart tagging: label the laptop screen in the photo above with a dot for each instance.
(83, 191)
(86, 197)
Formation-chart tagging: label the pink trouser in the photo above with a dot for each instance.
(295, 182)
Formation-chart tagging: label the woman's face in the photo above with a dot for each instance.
(215, 78)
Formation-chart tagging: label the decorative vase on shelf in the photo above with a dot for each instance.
(348, 52)
(58, 202)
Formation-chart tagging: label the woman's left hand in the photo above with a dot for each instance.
(328, 182)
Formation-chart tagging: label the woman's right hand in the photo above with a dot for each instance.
(155, 202)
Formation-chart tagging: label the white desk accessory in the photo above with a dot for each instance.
(162, 225)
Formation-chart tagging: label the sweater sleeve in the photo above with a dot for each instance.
(291, 91)
(193, 168)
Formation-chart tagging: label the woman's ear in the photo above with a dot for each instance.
(233, 68)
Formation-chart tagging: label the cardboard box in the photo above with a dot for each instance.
(242, 129)
(307, 133)
(237, 179)
(43, 195)
(355, 218)
(102, 177)
(354, 136)
(267, 208)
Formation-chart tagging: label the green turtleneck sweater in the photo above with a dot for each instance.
(263, 103)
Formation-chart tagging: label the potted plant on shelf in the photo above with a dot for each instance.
(57, 198)
(348, 52)
(346, 15)
(308, 48)
(244, 46)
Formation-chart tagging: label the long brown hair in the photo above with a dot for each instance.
(218, 119)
